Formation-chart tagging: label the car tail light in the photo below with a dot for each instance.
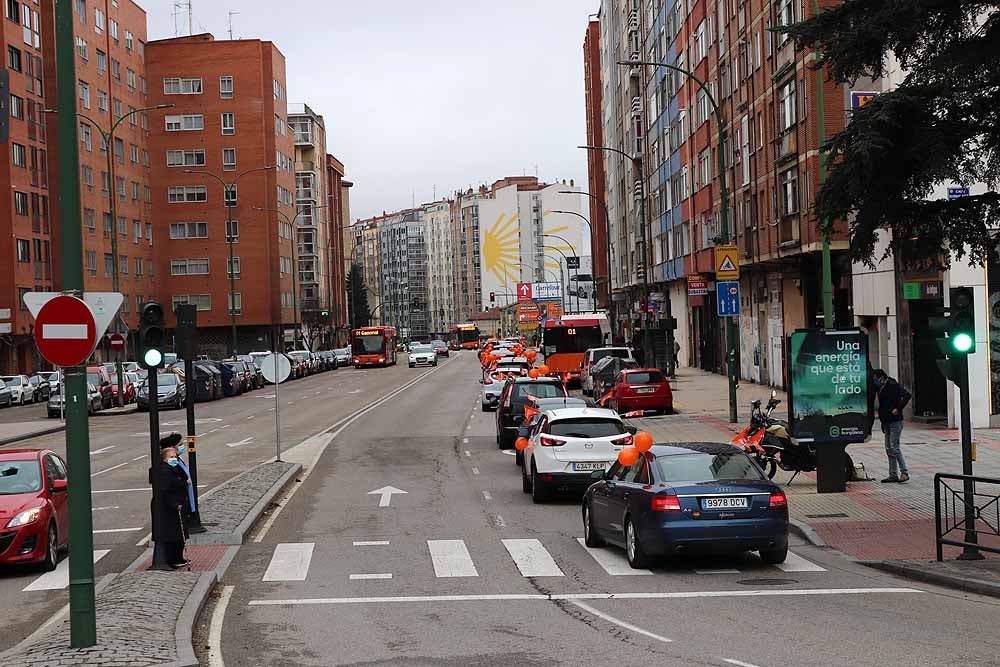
(666, 504)
(624, 441)
(552, 442)
(778, 501)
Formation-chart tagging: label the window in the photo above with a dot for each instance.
(116, 107)
(138, 266)
(786, 105)
(185, 122)
(102, 101)
(19, 156)
(81, 48)
(182, 87)
(136, 231)
(231, 195)
(23, 250)
(123, 265)
(228, 123)
(149, 237)
(189, 267)
(202, 301)
(226, 87)
(192, 158)
(279, 90)
(703, 107)
(90, 219)
(700, 43)
(116, 69)
(136, 190)
(13, 10)
(233, 268)
(129, 41)
(113, 29)
(130, 79)
(238, 301)
(705, 167)
(133, 154)
(16, 107)
(189, 230)
(786, 17)
(187, 193)
(232, 231)
(122, 228)
(14, 58)
(743, 150)
(229, 159)
(120, 187)
(102, 62)
(98, 21)
(789, 181)
(132, 121)
(91, 261)
(280, 126)
(84, 93)
(20, 203)
(86, 137)
(108, 225)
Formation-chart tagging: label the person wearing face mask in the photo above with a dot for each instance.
(892, 398)
(170, 530)
(176, 441)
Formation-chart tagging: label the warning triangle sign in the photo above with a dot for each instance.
(727, 264)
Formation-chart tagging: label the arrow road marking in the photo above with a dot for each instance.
(386, 493)
(242, 442)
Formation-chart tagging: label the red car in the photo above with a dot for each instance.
(641, 389)
(34, 507)
(129, 382)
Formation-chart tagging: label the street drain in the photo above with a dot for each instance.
(766, 582)
(835, 515)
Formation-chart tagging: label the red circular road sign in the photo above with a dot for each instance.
(65, 331)
(116, 341)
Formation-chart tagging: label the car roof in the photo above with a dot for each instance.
(577, 413)
(19, 454)
(546, 380)
(609, 347)
(555, 402)
(674, 448)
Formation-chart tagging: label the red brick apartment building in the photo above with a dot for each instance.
(596, 184)
(229, 118)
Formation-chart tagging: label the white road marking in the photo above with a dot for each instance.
(719, 570)
(59, 577)
(386, 494)
(107, 507)
(796, 563)
(475, 471)
(469, 427)
(371, 543)
(738, 663)
(240, 443)
(101, 472)
(531, 558)
(144, 488)
(225, 426)
(101, 450)
(139, 458)
(289, 562)
(611, 560)
(117, 530)
(289, 402)
(508, 452)
(500, 522)
(620, 623)
(356, 391)
(465, 441)
(468, 453)
(451, 559)
(251, 416)
(487, 496)
(586, 596)
(380, 575)
(215, 628)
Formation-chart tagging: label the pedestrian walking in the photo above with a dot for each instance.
(677, 353)
(892, 398)
(168, 522)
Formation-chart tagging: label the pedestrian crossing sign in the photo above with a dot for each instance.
(727, 262)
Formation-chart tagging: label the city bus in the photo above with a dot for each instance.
(566, 340)
(374, 346)
(463, 336)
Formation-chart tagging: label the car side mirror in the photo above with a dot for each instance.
(631, 429)
(59, 485)
(523, 432)
(481, 381)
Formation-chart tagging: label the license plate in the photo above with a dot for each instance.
(725, 503)
(589, 466)
(645, 390)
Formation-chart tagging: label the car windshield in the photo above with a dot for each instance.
(13, 381)
(701, 466)
(167, 380)
(538, 390)
(54, 377)
(644, 377)
(437, 344)
(368, 344)
(422, 349)
(586, 427)
(94, 378)
(20, 477)
(301, 356)
(620, 352)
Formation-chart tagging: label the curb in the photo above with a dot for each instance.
(184, 629)
(806, 532)
(33, 434)
(977, 586)
(238, 536)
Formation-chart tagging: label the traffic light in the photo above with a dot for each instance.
(493, 297)
(152, 336)
(962, 330)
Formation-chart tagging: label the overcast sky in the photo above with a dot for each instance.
(418, 94)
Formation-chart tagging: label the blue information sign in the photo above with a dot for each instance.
(727, 297)
(955, 193)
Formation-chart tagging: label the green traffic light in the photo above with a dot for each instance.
(153, 357)
(962, 342)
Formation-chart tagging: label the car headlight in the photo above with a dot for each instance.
(25, 517)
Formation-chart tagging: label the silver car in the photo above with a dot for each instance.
(493, 384)
(421, 354)
(20, 388)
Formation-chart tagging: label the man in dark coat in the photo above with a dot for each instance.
(168, 523)
(892, 398)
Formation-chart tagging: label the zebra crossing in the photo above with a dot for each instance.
(451, 558)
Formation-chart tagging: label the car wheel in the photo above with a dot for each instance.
(518, 458)
(539, 492)
(525, 482)
(51, 559)
(485, 408)
(590, 536)
(412, 365)
(774, 556)
(633, 547)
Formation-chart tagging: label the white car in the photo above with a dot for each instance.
(21, 391)
(493, 385)
(566, 446)
(423, 355)
(595, 354)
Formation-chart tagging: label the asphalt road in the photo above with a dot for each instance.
(463, 569)
(235, 434)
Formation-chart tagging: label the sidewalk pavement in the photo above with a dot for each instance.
(870, 521)
(147, 617)
(17, 431)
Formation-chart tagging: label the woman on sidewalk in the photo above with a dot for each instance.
(173, 494)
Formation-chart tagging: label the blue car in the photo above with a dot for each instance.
(692, 497)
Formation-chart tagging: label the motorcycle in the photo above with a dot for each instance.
(767, 441)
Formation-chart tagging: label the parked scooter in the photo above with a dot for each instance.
(767, 441)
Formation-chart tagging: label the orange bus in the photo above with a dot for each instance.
(565, 342)
(463, 336)
(374, 346)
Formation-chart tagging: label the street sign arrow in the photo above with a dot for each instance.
(386, 493)
(242, 442)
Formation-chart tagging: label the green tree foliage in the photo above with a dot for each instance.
(357, 298)
(941, 126)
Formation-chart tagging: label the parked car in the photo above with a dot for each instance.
(130, 382)
(100, 378)
(6, 397)
(170, 390)
(242, 375)
(642, 389)
(440, 347)
(40, 386)
(595, 354)
(300, 363)
(605, 373)
(35, 505)
(343, 356)
(20, 388)
(54, 380)
(256, 376)
(55, 406)
(687, 497)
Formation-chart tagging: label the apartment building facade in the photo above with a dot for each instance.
(364, 253)
(224, 150)
(440, 266)
(468, 288)
(338, 221)
(596, 178)
(403, 273)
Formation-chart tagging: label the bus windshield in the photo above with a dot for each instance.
(368, 344)
(469, 335)
(572, 339)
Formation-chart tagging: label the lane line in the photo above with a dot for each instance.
(117, 530)
(215, 628)
(584, 596)
(796, 563)
(451, 558)
(613, 562)
(468, 453)
(101, 472)
(143, 488)
(379, 575)
(59, 578)
(289, 562)
(251, 416)
(531, 558)
(106, 507)
(465, 441)
(719, 570)
(138, 458)
(371, 543)
(475, 471)
(487, 496)
(620, 623)
(738, 663)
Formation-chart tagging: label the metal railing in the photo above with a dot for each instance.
(975, 517)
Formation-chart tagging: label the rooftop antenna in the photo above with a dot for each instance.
(231, 12)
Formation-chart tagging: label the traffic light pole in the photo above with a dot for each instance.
(969, 552)
(82, 602)
(159, 548)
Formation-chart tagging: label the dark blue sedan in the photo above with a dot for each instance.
(691, 497)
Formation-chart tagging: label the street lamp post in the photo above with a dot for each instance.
(607, 246)
(590, 228)
(577, 270)
(108, 138)
(723, 218)
(226, 189)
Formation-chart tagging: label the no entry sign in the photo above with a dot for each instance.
(65, 331)
(116, 341)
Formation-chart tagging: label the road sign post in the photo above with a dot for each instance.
(186, 346)
(727, 298)
(276, 368)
